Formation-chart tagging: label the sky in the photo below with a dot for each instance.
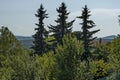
(19, 15)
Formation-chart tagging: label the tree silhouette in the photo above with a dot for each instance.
(40, 46)
(63, 27)
(86, 33)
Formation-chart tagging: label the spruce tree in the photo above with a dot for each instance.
(86, 33)
(63, 27)
(40, 46)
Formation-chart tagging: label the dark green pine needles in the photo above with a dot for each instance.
(40, 46)
(63, 27)
(86, 33)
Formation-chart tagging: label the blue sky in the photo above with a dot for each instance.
(18, 15)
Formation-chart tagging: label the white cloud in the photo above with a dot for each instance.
(107, 12)
(99, 11)
(105, 19)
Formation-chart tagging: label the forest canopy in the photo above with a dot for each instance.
(60, 53)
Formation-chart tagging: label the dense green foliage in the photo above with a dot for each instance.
(19, 63)
(68, 58)
(15, 62)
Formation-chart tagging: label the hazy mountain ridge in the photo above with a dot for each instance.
(24, 38)
(108, 38)
(26, 41)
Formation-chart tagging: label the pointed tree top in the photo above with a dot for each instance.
(85, 6)
(41, 6)
(63, 5)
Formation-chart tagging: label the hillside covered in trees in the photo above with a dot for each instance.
(60, 53)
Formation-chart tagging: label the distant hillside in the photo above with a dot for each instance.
(26, 41)
(24, 38)
(108, 38)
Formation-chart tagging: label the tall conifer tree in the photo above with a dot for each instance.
(86, 33)
(63, 27)
(40, 46)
